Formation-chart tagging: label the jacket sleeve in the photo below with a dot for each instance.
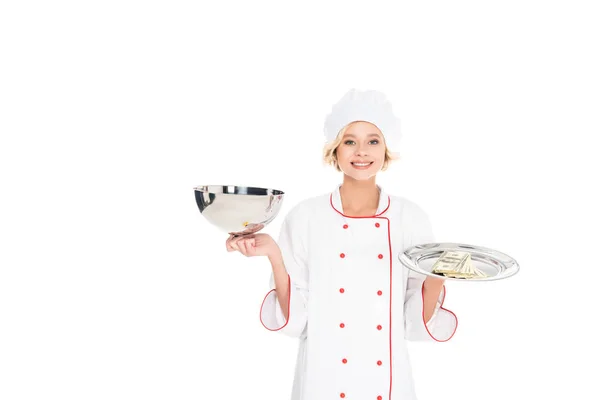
(443, 323)
(293, 249)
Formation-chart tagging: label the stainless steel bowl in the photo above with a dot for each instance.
(238, 210)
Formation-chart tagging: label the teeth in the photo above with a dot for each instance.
(361, 164)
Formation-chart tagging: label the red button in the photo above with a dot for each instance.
(379, 327)
(380, 256)
(344, 361)
(342, 395)
(377, 225)
(379, 397)
(342, 255)
(342, 325)
(379, 362)
(342, 290)
(379, 293)
(345, 226)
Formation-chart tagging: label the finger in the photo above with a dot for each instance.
(251, 246)
(244, 247)
(234, 244)
(239, 244)
(230, 247)
(228, 243)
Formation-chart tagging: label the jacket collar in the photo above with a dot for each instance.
(335, 199)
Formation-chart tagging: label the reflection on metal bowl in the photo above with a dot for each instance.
(238, 210)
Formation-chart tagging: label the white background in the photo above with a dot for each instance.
(112, 284)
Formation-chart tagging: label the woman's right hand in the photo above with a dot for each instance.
(258, 244)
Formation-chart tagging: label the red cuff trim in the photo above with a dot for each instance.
(288, 307)
(441, 308)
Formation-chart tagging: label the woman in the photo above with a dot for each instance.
(337, 284)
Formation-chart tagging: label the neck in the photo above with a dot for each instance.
(359, 198)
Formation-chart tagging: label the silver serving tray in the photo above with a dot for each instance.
(494, 264)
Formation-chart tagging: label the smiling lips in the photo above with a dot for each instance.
(361, 165)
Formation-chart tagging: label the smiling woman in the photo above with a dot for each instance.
(335, 151)
(337, 284)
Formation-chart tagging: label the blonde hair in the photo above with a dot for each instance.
(330, 151)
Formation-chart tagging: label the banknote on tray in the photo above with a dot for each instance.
(457, 264)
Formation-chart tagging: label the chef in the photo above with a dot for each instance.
(337, 284)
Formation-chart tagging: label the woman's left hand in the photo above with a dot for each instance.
(432, 287)
(434, 283)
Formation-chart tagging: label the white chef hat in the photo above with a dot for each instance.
(364, 105)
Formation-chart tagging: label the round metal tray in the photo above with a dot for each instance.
(494, 264)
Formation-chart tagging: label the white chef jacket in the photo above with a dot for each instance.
(352, 304)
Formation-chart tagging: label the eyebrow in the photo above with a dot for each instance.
(371, 134)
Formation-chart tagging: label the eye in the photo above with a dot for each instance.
(349, 142)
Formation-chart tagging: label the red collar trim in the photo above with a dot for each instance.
(350, 216)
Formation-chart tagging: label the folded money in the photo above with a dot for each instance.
(456, 264)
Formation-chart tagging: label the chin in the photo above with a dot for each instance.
(360, 175)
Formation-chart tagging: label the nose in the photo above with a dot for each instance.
(361, 150)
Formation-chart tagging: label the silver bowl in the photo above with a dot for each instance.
(238, 210)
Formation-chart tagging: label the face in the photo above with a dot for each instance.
(362, 151)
